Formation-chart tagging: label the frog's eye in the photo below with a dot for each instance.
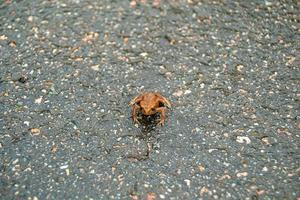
(153, 109)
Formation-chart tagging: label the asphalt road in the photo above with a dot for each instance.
(230, 69)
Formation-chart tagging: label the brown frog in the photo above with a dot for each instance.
(149, 103)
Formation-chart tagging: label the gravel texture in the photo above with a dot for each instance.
(230, 69)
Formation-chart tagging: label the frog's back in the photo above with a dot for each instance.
(150, 98)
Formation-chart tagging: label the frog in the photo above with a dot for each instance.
(149, 103)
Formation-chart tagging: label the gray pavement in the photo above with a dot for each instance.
(69, 68)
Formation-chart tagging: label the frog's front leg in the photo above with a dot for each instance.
(162, 112)
(134, 109)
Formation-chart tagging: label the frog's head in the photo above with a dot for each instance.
(148, 108)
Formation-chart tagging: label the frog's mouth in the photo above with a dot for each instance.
(148, 111)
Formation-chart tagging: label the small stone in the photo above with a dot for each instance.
(242, 174)
(67, 171)
(265, 169)
(30, 18)
(187, 92)
(15, 161)
(196, 130)
(145, 54)
(168, 75)
(226, 176)
(121, 177)
(178, 93)
(26, 123)
(273, 76)
(95, 67)
(239, 68)
(64, 166)
(284, 131)
(188, 182)
(132, 3)
(13, 44)
(35, 131)
(201, 168)
(54, 148)
(125, 39)
(76, 73)
(290, 61)
(265, 140)
(38, 100)
(243, 139)
(113, 169)
(205, 190)
(3, 37)
(243, 92)
(212, 150)
(268, 3)
(78, 59)
(88, 37)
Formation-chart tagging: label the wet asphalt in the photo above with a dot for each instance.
(230, 69)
